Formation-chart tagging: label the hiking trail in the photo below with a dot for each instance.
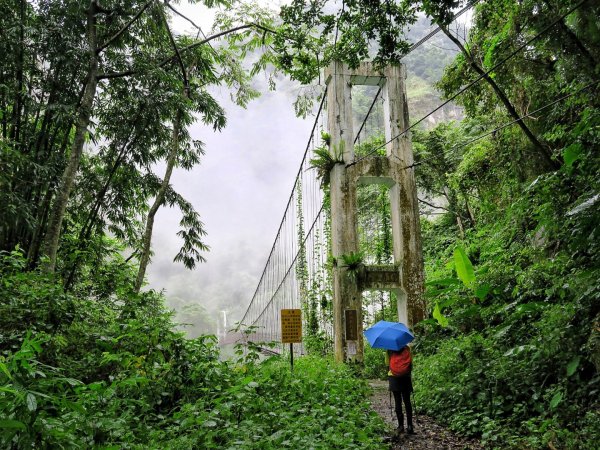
(428, 434)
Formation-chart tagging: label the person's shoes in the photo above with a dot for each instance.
(410, 429)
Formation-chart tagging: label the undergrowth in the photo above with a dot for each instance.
(512, 355)
(112, 373)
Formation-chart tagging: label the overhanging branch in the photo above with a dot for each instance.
(124, 29)
(186, 84)
(166, 61)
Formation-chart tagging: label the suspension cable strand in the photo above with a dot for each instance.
(472, 83)
(438, 28)
(368, 113)
(289, 267)
(324, 96)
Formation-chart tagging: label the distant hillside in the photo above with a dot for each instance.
(425, 66)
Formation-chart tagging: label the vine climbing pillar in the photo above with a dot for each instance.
(405, 276)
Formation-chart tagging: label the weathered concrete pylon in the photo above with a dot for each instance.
(405, 276)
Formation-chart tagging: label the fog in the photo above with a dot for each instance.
(240, 190)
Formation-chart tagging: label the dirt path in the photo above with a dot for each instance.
(428, 435)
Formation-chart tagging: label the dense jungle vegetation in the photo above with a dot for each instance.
(94, 95)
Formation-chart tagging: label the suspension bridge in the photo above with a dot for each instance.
(309, 267)
(303, 268)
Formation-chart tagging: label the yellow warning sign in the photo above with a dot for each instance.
(291, 326)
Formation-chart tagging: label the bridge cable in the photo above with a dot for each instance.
(412, 48)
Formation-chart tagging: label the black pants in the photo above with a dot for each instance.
(401, 387)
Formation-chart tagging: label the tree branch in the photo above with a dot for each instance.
(168, 5)
(186, 84)
(166, 61)
(124, 29)
(431, 205)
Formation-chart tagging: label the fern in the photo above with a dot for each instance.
(325, 160)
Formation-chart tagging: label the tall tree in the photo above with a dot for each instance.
(95, 47)
(107, 75)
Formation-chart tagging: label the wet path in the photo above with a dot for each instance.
(428, 435)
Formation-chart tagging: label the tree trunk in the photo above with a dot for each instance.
(470, 211)
(544, 151)
(20, 62)
(83, 119)
(91, 219)
(453, 207)
(158, 201)
(43, 210)
(33, 251)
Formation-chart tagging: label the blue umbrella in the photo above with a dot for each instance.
(388, 335)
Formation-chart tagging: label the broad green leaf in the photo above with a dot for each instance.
(73, 381)
(556, 400)
(14, 424)
(74, 406)
(96, 386)
(573, 365)
(437, 315)
(572, 153)
(134, 381)
(31, 402)
(11, 391)
(482, 291)
(464, 268)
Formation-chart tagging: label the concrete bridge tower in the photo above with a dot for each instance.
(405, 276)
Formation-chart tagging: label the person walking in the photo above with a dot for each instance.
(400, 384)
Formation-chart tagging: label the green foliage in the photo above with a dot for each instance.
(318, 343)
(318, 406)
(510, 352)
(374, 364)
(325, 159)
(313, 34)
(517, 358)
(80, 373)
(69, 203)
(464, 268)
(352, 261)
(513, 384)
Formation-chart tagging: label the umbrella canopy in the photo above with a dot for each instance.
(388, 335)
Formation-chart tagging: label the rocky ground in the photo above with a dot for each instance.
(428, 435)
